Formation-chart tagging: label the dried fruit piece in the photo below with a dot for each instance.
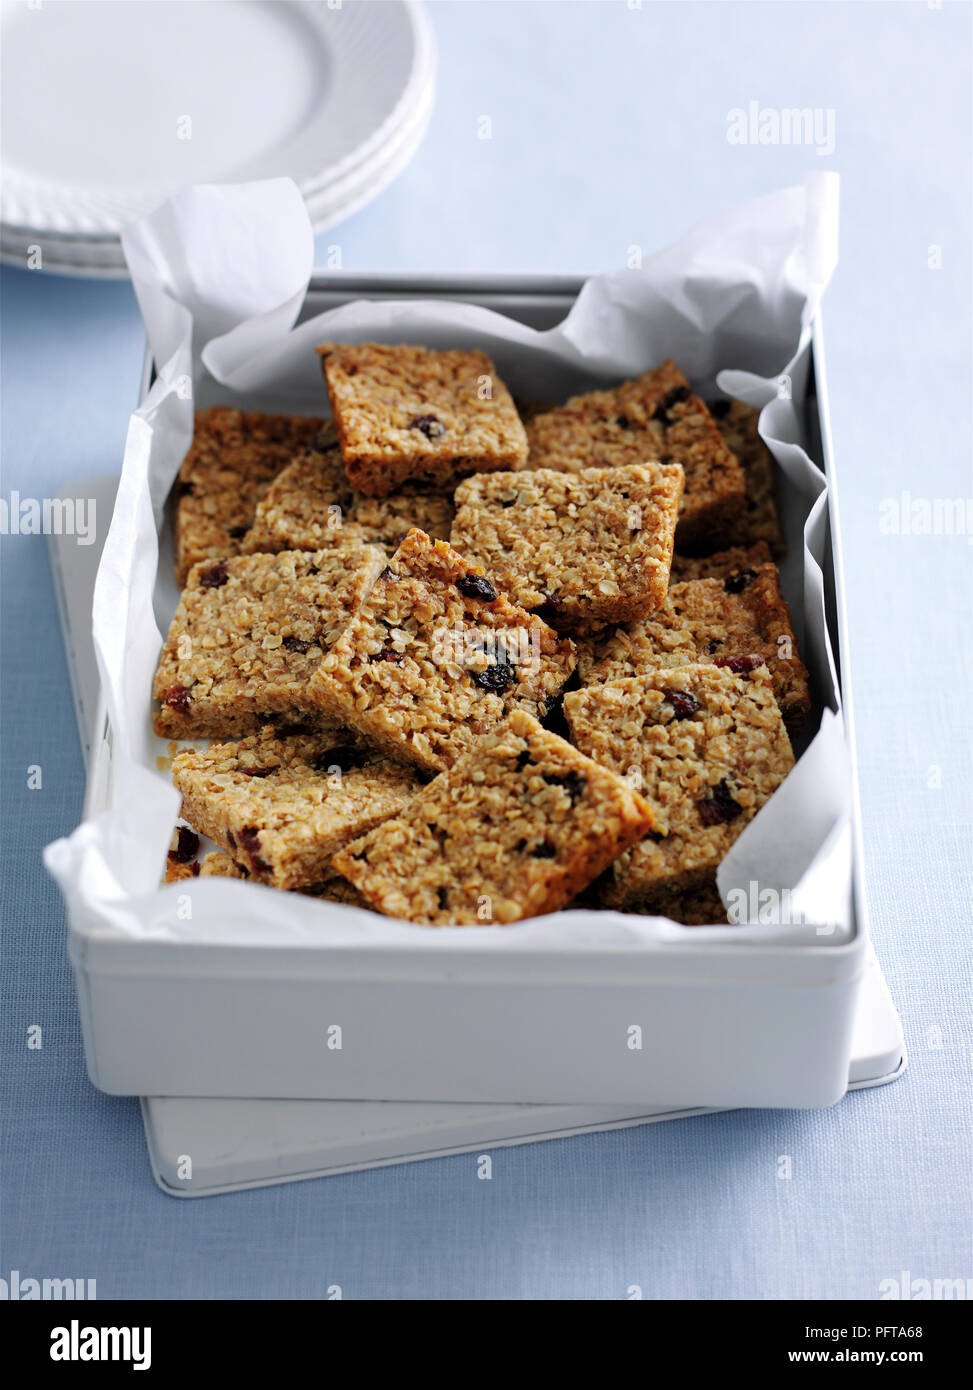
(684, 705)
(249, 841)
(551, 609)
(389, 653)
(187, 846)
(476, 586)
(673, 397)
(214, 576)
(496, 677)
(572, 782)
(429, 426)
(739, 665)
(736, 583)
(177, 697)
(719, 806)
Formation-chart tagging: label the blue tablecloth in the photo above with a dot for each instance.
(609, 128)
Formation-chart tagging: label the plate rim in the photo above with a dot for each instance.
(419, 82)
(323, 215)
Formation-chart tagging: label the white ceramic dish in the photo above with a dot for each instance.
(97, 96)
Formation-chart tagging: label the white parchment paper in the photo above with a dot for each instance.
(221, 274)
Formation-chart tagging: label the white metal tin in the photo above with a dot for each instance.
(721, 1026)
(238, 1144)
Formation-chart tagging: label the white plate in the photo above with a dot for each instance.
(96, 94)
(339, 200)
(103, 257)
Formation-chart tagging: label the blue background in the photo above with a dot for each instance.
(609, 128)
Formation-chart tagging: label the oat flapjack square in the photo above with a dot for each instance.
(311, 504)
(234, 457)
(517, 827)
(409, 412)
(249, 633)
(436, 657)
(706, 748)
(739, 622)
(576, 548)
(282, 807)
(655, 418)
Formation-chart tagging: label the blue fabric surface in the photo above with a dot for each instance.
(603, 137)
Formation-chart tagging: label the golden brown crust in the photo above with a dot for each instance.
(249, 633)
(408, 412)
(435, 657)
(311, 504)
(653, 419)
(739, 621)
(737, 423)
(234, 457)
(706, 748)
(282, 807)
(721, 564)
(579, 548)
(217, 865)
(336, 890)
(515, 829)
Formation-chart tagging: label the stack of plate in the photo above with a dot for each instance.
(108, 109)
